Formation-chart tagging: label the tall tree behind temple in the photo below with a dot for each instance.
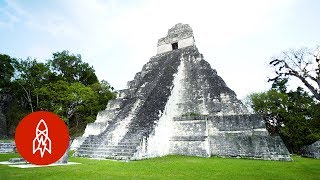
(6, 73)
(71, 101)
(6, 70)
(294, 115)
(65, 85)
(29, 75)
(71, 68)
(302, 64)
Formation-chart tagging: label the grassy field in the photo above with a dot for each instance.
(170, 167)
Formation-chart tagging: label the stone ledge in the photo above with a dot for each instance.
(188, 138)
(187, 118)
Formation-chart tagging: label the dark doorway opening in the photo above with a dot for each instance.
(174, 46)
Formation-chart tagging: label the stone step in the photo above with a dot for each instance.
(104, 154)
(123, 93)
(137, 143)
(105, 157)
(7, 146)
(6, 151)
(95, 147)
(92, 156)
(105, 149)
(108, 114)
(114, 104)
(125, 146)
(129, 143)
(92, 141)
(109, 146)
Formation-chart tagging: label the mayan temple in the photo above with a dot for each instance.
(178, 104)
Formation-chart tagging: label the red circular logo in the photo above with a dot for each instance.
(42, 138)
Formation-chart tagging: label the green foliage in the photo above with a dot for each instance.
(6, 70)
(280, 85)
(30, 75)
(271, 105)
(70, 68)
(294, 115)
(13, 115)
(104, 93)
(64, 85)
(67, 99)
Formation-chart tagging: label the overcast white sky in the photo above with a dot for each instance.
(117, 37)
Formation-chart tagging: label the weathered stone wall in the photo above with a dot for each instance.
(176, 33)
(164, 48)
(182, 43)
(186, 42)
(141, 122)
(8, 147)
(181, 34)
(190, 136)
(312, 150)
(232, 135)
(244, 136)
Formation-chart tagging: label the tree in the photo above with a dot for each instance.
(271, 105)
(105, 93)
(68, 100)
(6, 70)
(30, 75)
(75, 103)
(64, 85)
(302, 64)
(71, 68)
(294, 115)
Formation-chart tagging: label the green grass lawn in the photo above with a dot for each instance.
(169, 167)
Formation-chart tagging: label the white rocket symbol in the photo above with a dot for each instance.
(42, 141)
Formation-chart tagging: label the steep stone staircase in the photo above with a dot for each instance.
(124, 150)
(102, 145)
(132, 115)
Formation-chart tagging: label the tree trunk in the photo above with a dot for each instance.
(37, 101)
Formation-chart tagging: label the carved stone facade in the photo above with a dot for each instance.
(147, 119)
(228, 135)
(180, 35)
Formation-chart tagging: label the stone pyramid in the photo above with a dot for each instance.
(178, 104)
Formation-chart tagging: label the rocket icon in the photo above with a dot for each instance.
(42, 142)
